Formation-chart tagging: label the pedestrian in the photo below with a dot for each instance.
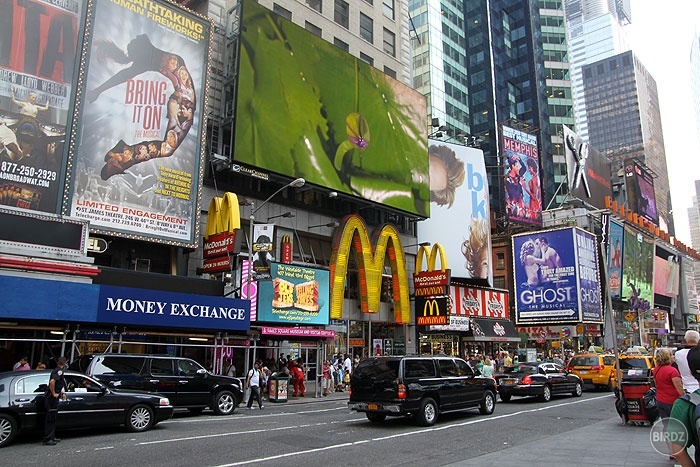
(231, 369)
(56, 390)
(325, 380)
(22, 365)
(487, 368)
(299, 377)
(41, 366)
(253, 383)
(669, 385)
(347, 370)
(507, 361)
(681, 425)
(691, 339)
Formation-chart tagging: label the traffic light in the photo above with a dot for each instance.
(562, 334)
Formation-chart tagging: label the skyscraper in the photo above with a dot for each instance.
(594, 33)
(624, 121)
(695, 78)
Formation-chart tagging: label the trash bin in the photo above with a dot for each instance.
(278, 387)
(633, 394)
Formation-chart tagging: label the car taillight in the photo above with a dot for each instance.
(402, 391)
(597, 367)
(349, 392)
(527, 380)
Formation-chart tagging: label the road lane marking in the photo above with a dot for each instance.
(408, 433)
(218, 418)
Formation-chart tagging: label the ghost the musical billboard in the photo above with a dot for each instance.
(138, 147)
(38, 43)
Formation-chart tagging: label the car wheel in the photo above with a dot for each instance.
(224, 403)
(546, 393)
(428, 412)
(578, 390)
(195, 410)
(375, 417)
(505, 397)
(139, 418)
(8, 429)
(488, 403)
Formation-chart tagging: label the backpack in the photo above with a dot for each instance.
(650, 405)
(694, 400)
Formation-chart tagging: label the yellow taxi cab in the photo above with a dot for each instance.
(636, 364)
(595, 369)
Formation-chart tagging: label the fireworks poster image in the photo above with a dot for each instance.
(38, 44)
(137, 155)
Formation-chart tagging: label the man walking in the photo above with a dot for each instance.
(56, 390)
(253, 383)
(691, 339)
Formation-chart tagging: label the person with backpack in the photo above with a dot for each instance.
(253, 383)
(682, 427)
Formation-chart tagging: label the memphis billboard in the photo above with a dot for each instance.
(459, 209)
(139, 143)
(38, 50)
(521, 161)
(587, 169)
(557, 278)
(305, 108)
(295, 295)
(641, 197)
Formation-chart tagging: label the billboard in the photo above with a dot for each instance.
(666, 274)
(483, 303)
(615, 248)
(521, 161)
(639, 184)
(38, 44)
(638, 265)
(588, 171)
(308, 109)
(295, 295)
(459, 209)
(137, 153)
(556, 277)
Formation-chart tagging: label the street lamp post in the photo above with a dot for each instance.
(299, 182)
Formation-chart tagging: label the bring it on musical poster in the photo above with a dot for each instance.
(137, 155)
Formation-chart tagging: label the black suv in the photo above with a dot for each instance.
(182, 380)
(421, 386)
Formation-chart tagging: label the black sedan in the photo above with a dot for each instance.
(542, 379)
(88, 404)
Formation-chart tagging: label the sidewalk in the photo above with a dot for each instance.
(311, 395)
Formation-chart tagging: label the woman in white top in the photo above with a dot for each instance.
(29, 108)
(488, 369)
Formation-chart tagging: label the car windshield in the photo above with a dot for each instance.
(520, 370)
(584, 361)
(382, 369)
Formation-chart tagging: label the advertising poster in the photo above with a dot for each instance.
(588, 171)
(546, 281)
(640, 191)
(615, 248)
(520, 158)
(340, 124)
(459, 209)
(263, 246)
(138, 148)
(483, 303)
(638, 265)
(589, 292)
(295, 295)
(38, 44)
(666, 274)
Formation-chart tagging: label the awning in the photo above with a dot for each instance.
(492, 330)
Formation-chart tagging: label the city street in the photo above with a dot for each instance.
(316, 432)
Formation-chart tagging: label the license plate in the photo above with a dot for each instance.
(372, 407)
(508, 382)
(583, 372)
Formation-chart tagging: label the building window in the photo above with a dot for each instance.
(499, 282)
(341, 45)
(283, 12)
(366, 28)
(342, 13)
(388, 71)
(312, 28)
(367, 59)
(500, 261)
(389, 42)
(315, 4)
(388, 8)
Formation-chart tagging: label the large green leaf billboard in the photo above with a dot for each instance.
(307, 109)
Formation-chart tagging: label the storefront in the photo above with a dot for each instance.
(489, 336)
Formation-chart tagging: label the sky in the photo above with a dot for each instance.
(661, 35)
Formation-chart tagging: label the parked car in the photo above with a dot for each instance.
(88, 404)
(596, 370)
(537, 379)
(181, 380)
(423, 387)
